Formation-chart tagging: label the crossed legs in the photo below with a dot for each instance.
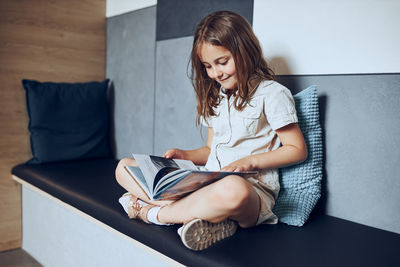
(229, 198)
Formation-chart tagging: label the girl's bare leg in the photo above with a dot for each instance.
(231, 197)
(127, 182)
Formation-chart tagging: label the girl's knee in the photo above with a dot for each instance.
(231, 193)
(120, 171)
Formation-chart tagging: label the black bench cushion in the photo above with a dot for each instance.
(90, 186)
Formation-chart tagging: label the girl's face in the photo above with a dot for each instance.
(219, 64)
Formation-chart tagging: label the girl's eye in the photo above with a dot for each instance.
(224, 63)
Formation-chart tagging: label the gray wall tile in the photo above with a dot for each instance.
(178, 18)
(360, 120)
(175, 112)
(130, 65)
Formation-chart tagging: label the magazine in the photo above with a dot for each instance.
(170, 179)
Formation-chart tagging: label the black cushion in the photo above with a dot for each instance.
(67, 120)
(323, 241)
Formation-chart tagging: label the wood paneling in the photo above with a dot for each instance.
(45, 40)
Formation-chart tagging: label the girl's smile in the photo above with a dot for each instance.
(219, 64)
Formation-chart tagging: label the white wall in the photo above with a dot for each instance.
(318, 37)
(329, 37)
(117, 7)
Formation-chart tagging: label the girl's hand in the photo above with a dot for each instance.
(241, 165)
(174, 154)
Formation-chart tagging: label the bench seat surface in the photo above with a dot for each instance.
(90, 186)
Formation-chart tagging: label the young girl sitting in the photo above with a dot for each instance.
(252, 125)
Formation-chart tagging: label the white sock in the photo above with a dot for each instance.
(152, 216)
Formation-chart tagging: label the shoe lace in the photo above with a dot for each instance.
(135, 208)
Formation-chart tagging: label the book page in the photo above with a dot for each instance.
(148, 169)
(169, 178)
(185, 164)
(137, 175)
(188, 181)
(150, 165)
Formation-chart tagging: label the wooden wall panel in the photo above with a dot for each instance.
(46, 40)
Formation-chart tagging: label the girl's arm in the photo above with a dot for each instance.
(198, 156)
(292, 151)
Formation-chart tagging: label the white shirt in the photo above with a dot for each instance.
(238, 134)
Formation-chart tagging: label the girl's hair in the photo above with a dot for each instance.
(233, 32)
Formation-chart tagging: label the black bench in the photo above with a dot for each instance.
(90, 186)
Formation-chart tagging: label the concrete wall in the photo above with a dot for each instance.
(131, 66)
(349, 53)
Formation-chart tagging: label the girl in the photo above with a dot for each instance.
(252, 125)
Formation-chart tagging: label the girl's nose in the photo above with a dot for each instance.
(217, 73)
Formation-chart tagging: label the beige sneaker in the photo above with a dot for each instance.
(135, 208)
(199, 234)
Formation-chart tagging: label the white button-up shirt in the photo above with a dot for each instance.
(238, 134)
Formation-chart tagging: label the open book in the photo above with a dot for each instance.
(170, 179)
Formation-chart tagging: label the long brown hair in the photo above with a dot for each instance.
(232, 31)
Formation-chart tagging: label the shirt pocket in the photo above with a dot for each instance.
(249, 118)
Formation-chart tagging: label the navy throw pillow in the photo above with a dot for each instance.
(67, 121)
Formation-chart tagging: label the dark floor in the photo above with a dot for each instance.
(17, 258)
